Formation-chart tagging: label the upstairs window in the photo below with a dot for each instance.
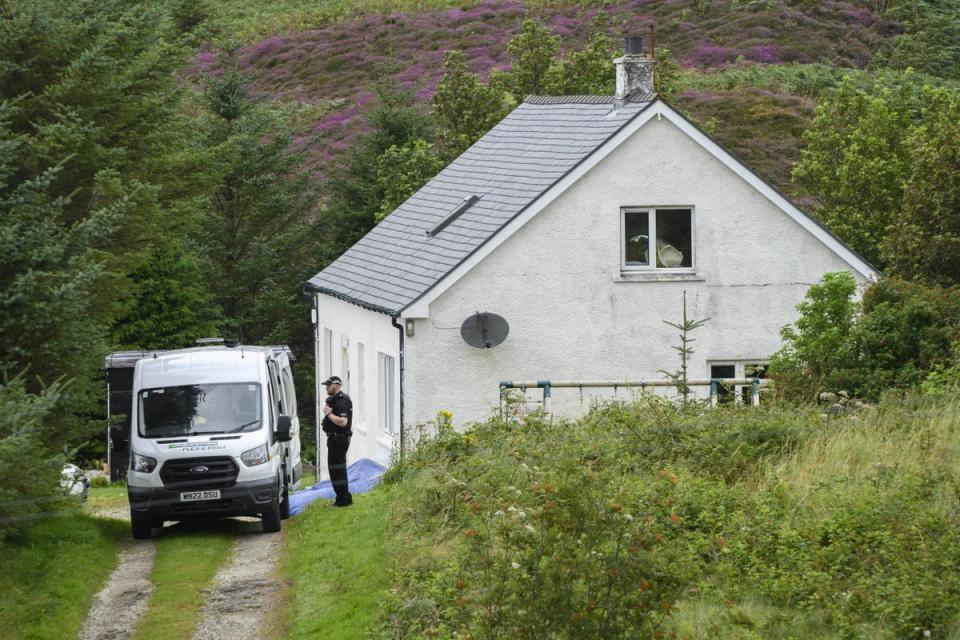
(657, 238)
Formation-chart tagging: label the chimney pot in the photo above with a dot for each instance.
(633, 45)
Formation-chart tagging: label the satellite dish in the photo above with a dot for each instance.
(484, 330)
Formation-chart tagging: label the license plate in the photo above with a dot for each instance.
(193, 496)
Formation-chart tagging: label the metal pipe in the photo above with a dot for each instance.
(704, 382)
(393, 321)
(315, 313)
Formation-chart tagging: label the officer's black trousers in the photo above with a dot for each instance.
(337, 445)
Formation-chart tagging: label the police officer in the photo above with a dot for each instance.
(337, 424)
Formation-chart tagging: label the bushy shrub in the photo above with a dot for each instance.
(29, 470)
(895, 338)
(628, 522)
(819, 347)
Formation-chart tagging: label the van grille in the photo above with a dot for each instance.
(183, 474)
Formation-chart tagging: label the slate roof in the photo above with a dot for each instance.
(509, 168)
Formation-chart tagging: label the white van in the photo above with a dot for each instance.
(213, 433)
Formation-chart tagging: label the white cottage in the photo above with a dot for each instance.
(581, 220)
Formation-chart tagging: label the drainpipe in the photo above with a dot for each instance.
(393, 321)
(315, 317)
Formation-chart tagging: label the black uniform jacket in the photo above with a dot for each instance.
(343, 408)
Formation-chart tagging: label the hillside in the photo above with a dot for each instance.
(325, 67)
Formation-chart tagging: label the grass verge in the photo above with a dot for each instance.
(49, 575)
(108, 502)
(187, 560)
(337, 564)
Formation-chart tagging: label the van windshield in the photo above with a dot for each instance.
(199, 409)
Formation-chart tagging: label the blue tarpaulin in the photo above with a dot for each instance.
(363, 475)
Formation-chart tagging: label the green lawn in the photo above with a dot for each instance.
(49, 576)
(107, 502)
(188, 557)
(338, 567)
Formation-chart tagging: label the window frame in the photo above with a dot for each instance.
(290, 396)
(652, 267)
(387, 391)
(739, 392)
(328, 352)
(360, 400)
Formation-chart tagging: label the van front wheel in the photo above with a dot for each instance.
(271, 517)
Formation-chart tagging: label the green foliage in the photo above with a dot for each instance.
(29, 465)
(855, 160)
(810, 80)
(357, 573)
(930, 41)
(402, 171)
(255, 243)
(820, 343)
(51, 572)
(902, 334)
(924, 242)
(943, 379)
(684, 349)
(588, 71)
(464, 107)
(354, 194)
(628, 521)
(666, 75)
(95, 168)
(906, 331)
(171, 307)
(532, 53)
(882, 162)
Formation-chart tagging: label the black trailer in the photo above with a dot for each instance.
(119, 370)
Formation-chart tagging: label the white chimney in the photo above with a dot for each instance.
(634, 69)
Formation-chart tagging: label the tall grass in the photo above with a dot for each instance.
(910, 436)
(648, 518)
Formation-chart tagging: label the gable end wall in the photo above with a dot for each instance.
(557, 282)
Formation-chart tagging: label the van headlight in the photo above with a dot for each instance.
(255, 456)
(143, 464)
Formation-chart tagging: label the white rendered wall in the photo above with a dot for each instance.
(353, 325)
(557, 282)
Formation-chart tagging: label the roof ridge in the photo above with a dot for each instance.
(636, 96)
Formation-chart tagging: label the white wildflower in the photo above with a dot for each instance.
(511, 509)
(521, 514)
(515, 565)
(498, 513)
(529, 528)
(628, 517)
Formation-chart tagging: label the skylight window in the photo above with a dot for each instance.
(463, 206)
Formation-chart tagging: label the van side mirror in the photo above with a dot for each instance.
(282, 432)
